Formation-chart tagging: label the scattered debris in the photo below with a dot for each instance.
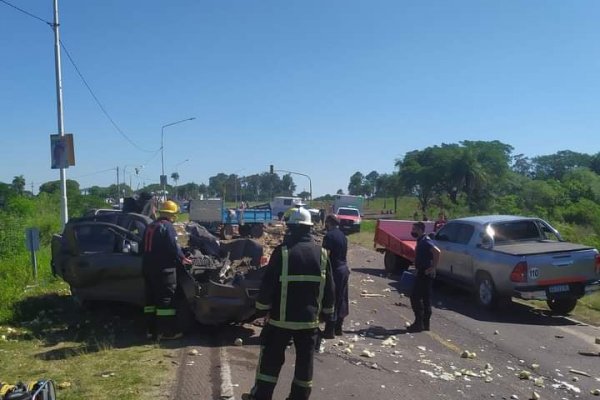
(514, 396)
(535, 396)
(595, 392)
(193, 352)
(559, 336)
(538, 382)
(468, 354)
(238, 342)
(577, 372)
(368, 280)
(535, 366)
(389, 342)
(422, 348)
(367, 353)
(64, 385)
(496, 332)
(524, 375)
(364, 293)
(575, 379)
(566, 386)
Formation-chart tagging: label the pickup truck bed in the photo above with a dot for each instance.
(543, 246)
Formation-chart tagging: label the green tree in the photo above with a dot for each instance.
(18, 184)
(554, 166)
(355, 187)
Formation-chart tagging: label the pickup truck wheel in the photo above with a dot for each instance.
(394, 264)
(562, 306)
(486, 291)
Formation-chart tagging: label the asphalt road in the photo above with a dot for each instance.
(423, 365)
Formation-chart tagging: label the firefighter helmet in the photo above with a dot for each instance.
(300, 216)
(169, 207)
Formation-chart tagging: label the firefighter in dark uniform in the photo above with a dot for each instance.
(336, 243)
(426, 258)
(160, 258)
(297, 287)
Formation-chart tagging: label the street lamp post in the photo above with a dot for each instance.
(299, 173)
(162, 153)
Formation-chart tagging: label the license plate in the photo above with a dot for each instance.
(558, 288)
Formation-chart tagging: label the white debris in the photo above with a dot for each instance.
(566, 386)
(389, 342)
(577, 372)
(367, 353)
(595, 392)
(422, 348)
(535, 396)
(539, 382)
(535, 366)
(368, 280)
(238, 342)
(488, 379)
(514, 396)
(388, 290)
(347, 350)
(355, 338)
(193, 352)
(496, 332)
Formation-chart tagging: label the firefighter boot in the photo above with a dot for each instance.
(338, 327)
(329, 332)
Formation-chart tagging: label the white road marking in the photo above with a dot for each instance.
(226, 385)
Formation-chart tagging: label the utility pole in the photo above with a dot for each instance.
(118, 189)
(64, 211)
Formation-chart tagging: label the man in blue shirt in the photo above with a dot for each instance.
(427, 255)
(336, 243)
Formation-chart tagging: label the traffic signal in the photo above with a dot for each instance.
(271, 169)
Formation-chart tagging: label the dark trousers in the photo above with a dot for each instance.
(160, 286)
(273, 342)
(420, 300)
(340, 278)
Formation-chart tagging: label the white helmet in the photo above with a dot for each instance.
(300, 216)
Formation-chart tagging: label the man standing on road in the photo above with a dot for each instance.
(426, 258)
(336, 243)
(160, 258)
(296, 288)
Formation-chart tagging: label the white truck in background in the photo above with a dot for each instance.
(346, 200)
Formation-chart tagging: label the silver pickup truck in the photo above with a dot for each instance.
(502, 256)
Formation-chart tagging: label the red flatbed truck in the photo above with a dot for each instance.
(393, 239)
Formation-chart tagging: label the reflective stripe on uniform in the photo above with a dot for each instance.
(303, 278)
(284, 283)
(304, 384)
(323, 278)
(266, 378)
(262, 307)
(328, 310)
(149, 309)
(165, 312)
(294, 325)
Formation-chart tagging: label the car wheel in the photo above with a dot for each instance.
(394, 264)
(487, 296)
(563, 305)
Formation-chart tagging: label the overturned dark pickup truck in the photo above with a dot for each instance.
(99, 256)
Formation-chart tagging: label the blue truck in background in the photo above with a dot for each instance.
(224, 221)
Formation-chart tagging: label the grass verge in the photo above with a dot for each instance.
(93, 354)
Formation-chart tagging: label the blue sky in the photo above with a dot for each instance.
(325, 88)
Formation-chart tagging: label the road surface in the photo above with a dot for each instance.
(422, 365)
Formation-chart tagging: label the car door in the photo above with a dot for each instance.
(455, 258)
(105, 262)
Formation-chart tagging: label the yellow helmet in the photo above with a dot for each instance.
(169, 207)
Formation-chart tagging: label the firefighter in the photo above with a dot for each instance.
(296, 289)
(336, 243)
(160, 258)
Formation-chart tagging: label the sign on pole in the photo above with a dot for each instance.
(32, 242)
(62, 153)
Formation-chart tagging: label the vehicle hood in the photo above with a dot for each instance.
(348, 217)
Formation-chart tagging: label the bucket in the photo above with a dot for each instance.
(407, 281)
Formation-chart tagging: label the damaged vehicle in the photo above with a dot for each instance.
(100, 257)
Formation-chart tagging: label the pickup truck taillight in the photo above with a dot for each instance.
(598, 263)
(519, 272)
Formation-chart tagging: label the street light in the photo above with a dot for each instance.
(297, 173)
(162, 153)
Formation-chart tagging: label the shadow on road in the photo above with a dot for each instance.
(461, 301)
